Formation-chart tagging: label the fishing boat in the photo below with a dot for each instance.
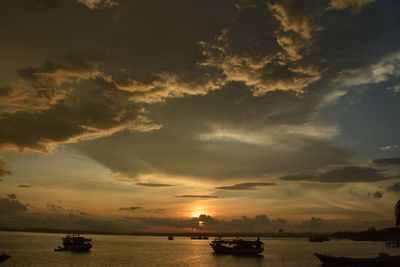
(4, 257)
(318, 239)
(75, 242)
(199, 237)
(382, 260)
(237, 246)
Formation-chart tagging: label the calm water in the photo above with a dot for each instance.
(36, 249)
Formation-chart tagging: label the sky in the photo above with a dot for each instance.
(189, 115)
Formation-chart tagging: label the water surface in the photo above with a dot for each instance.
(36, 249)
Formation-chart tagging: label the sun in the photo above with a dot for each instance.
(196, 213)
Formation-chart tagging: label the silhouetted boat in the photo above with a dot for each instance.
(318, 239)
(3, 257)
(382, 260)
(199, 237)
(75, 242)
(237, 246)
(170, 237)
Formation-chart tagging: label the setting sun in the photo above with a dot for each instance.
(198, 211)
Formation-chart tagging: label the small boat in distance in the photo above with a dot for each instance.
(4, 257)
(382, 260)
(318, 239)
(199, 237)
(75, 242)
(237, 246)
(170, 237)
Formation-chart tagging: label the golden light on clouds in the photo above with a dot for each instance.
(197, 211)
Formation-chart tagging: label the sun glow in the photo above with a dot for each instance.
(196, 214)
(197, 211)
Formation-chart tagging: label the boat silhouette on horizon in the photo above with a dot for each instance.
(75, 242)
(318, 239)
(238, 246)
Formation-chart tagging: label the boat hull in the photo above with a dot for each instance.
(345, 261)
(4, 257)
(236, 251)
(80, 248)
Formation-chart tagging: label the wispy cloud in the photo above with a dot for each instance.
(93, 4)
(130, 208)
(355, 5)
(196, 196)
(386, 69)
(386, 161)
(244, 186)
(24, 185)
(389, 147)
(153, 184)
(338, 174)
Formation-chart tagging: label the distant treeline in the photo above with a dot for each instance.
(370, 235)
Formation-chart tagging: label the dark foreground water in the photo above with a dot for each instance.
(36, 249)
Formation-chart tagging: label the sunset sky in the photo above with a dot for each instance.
(137, 115)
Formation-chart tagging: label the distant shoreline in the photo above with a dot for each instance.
(369, 235)
(187, 234)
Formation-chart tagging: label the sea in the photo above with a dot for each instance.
(37, 249)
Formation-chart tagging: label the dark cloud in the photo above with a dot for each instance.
(279, 221)
(73, 98)
(64, 101)
(227, 131)
(6, 91)
(43, 4)
(313, 224)
(394, 188)
(153, 184)
(347, 174)
(57, 209)
(82, 221)
(244, 186)
(130, 208)
(24, 186)
(54, 207)
(257, 223)
(207, 219)
(11, 205)
(386, 161)
(267, 49)
(196, 196)
(203, 222)
(267, 62)
(12, 196)
(377, 194)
